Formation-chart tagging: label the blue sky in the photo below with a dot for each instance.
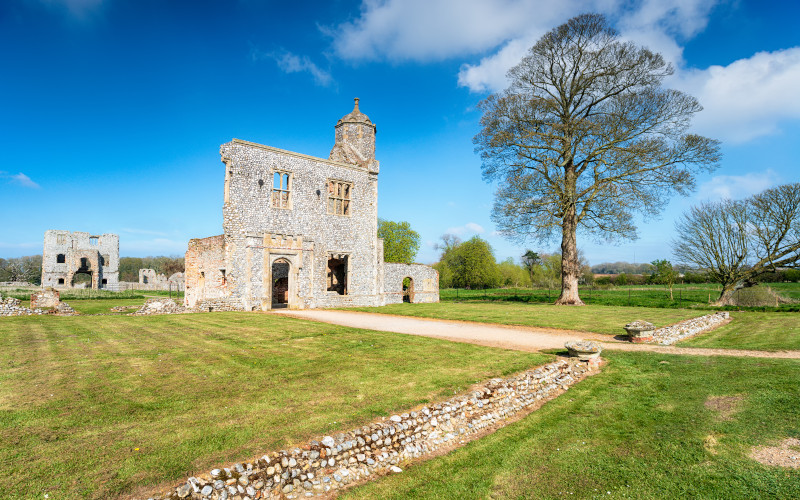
(113, 110)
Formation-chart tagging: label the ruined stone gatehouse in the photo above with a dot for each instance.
(80, 259)
(301, 232)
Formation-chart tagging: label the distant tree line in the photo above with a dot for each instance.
(29, 268)
(472, 264)
(22, 269)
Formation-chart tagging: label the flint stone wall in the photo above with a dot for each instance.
(325, 465)
(77, 245)
(237, 272)
(425, 283)
(45, 299)
(11, 307)
(689, 328)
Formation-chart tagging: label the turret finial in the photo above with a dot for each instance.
(356, 106)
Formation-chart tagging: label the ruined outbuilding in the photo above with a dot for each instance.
(77, 259)
(301, 232)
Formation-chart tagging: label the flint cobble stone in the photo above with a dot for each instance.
(330, 463)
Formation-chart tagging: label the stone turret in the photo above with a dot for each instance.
(355, 140)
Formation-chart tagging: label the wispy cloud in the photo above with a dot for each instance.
(736, 186)
(745, 99)
(468, 228)
(79, 9)
(293, 63)
(20, 179)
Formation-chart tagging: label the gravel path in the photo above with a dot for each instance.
(509, 337)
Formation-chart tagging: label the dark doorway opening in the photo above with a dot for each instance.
(280, 283)
(408, 290)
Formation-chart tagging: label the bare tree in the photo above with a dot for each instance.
(736, 241)
(585, 137)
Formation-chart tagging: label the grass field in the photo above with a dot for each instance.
(96, 406)
(91, 407)
(753, 330)
(647, 427)
(607, 320)
(693, 296)
(774, 331)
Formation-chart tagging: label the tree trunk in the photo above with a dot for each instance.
(727, 297)
(570, 267)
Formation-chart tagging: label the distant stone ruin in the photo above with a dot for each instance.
(80, 260)
(157, 281)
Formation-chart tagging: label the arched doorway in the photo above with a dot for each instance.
(280, 283)
(408, 290)
(82, 277)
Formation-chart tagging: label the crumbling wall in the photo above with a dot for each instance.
(424, 285)
(45, 299)
(67, 253)
(206, 274)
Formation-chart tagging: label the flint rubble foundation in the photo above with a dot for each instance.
(301, 232)
(321, 467)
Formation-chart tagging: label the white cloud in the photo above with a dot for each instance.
(747, 98)
(426, 30)
(736, 186)
(743, 100)
(21, 179)
(468, 228)
(292, 63)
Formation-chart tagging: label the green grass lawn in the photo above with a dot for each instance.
(641, 429)
(768, 331)
(93, 407)
(698, 296)
(102, 306)
(753, 330)
(607, 320)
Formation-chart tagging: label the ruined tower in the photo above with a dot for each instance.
(355, 140)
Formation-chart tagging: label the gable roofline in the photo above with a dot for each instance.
(297, 155)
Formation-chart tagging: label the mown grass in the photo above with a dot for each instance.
(607, 320)
(768, 331)
(696, 296)
(96, 407)
(753, 330)
(640, 429)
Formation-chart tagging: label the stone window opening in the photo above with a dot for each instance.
(61, 259)
(93, 240)
(281, 188)
(224, 279)
(337, 274)
(227, 190)
(105, 281)
(339, 193)
(60, 281)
